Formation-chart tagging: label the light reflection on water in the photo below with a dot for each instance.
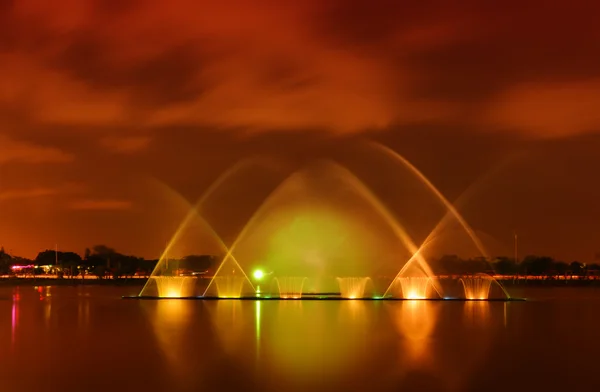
(179, 345)
(415, 322)
(14, 319)
(169, 321)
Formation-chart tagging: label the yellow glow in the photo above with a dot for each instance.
(414, 295)
(477, 313)
(232, 334)
(169, 320)
(257, 320)
(353, 287)
(415, 321)
(303, 347)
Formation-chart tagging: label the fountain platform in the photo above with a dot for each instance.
(322, 297)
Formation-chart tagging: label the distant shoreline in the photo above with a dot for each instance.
(508, 283)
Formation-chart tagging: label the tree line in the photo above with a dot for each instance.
(100, 260)
(529, 265)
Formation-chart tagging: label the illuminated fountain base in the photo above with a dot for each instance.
(290, 287)
(477, 287)
(353, 287)
(175, 286)
(229, 286)
(412, 287)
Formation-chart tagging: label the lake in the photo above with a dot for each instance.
(88, 339)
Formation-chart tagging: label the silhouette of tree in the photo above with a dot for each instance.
(537, 265)
(577, 268)
(5, 262)
(505, 266)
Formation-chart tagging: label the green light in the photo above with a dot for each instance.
(258, 274)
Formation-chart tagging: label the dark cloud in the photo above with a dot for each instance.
(285, 74)
(168, 77)
(480, 66)
(368, 25)
(489, 46)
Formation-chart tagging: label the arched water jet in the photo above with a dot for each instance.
(353, 287)
(398, 229)
(194, 213)
(477, 287)
(422, 269)
(451, 209)
(229, 284)
(413, 169)
(290, 287)
(160, 276)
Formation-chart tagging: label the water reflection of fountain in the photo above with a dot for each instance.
(477, 313)
(482, 325)
(415, 321)
(477, 287)
(230, 323)
(353, 287)
(290, 287)
(83, 314)
(170, 319)
(14, 317)
(313, 340)
(175, 286)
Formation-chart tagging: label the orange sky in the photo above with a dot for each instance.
(97, 97)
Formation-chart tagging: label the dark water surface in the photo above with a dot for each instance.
(88, 339)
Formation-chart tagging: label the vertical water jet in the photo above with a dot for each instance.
(477, 287)
(353, 287)
(413, 287)
(290, 287)
(175, 286)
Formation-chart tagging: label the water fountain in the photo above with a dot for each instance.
(353, 287)
(414, 287)
(319, 223)
(477, 287)
(290, 287)
(229, 286)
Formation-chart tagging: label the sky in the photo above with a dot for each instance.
(115, 116)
